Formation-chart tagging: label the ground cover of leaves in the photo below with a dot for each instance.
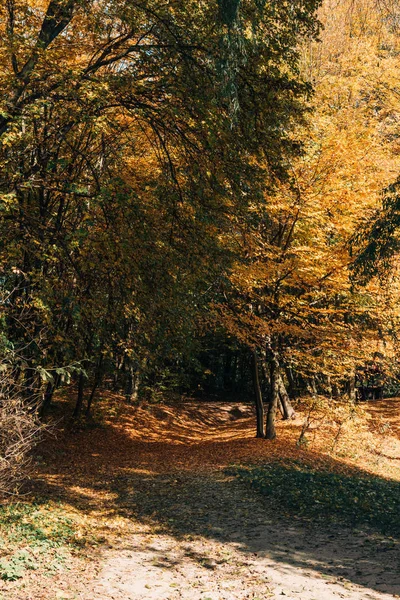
(182, 502)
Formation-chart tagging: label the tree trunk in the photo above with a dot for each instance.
(235, 371)
(79, 401)
(29, 385)
(258, 398)
(227, 376)
(92, 393)
(293, 386)
(288, 410)
(273, 401)
(281, 409)
(329, 386)
(96, 382)
(119, 362)
(132, 387)
(313, 384)
(47, 397)
(352, 387)
(136, 384)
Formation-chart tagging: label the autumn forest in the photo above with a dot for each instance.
(199, 244)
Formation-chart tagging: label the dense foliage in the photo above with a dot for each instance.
(180, 185)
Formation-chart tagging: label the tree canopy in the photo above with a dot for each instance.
(181, 187)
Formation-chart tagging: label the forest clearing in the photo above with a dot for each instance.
(152, 508)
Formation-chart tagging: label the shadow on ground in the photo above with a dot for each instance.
(172, 488)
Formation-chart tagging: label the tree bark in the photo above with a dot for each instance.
(329, 386)
(313, 384)
(132, 387)
(281, 409)
(273, 401)
(293, 386)
(92, 393)
(47, 397)
(79, 401)
(29, 385)
(119, 363)
(288, 411)
(227, 376)
(352, 387)
(96, 382)
(258, 398)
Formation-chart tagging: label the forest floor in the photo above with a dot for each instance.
(169, 502)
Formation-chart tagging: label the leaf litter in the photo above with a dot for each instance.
(170, 502)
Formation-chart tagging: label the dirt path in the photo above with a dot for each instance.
(205, 538)
(193, 532)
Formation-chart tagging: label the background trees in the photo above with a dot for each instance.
(292, 296)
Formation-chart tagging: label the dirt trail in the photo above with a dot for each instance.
(222, 545)
(196, 533)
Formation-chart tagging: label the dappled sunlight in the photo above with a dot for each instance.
(201, 436)
(385, 426)
(154, 487)
(188, 423)
(385, 414)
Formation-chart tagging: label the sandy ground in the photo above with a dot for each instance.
(201, 535)
(223, 545)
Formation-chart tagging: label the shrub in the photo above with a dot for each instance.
(20, 430)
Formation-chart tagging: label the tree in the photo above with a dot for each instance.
(131, 135)
(291, 294)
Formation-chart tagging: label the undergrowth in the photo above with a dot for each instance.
(38, 535)
(302, 492)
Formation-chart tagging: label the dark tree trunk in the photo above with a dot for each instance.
(48, 394)
(352, 387)
(314, 386)
(258, 397)
(227, 377)
(287, 408)
(119, 362)
(235, 370)
(79, 401)
(292, 384)
(96, 383)
(273, 401)
(243, 369)
(92, 393)
(281, 409)
(47, 397)
(29, 384)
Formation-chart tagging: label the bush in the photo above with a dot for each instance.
(20, 431)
